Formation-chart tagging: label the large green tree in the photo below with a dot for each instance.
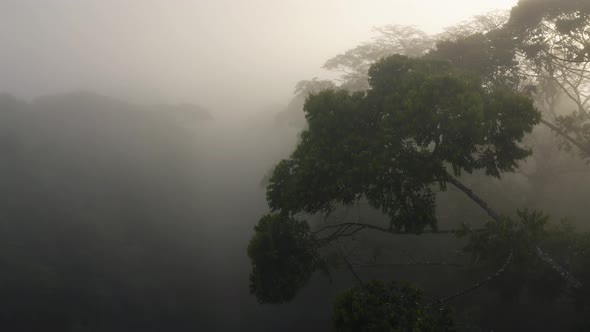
(422, 123)
(415, 124)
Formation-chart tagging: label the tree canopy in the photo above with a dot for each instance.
(420, 119)
(421, 123)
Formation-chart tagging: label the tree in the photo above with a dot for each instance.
(392, 142)
(536, 51)
(568, 20)
(490, 55)
(353, 65)
(552, 42)
(379, 144)
(391, 39)
(362, 308)
(284, 256)
(477, 25)
(422, 123)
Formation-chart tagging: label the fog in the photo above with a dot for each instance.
(138, 137)
(223, 54)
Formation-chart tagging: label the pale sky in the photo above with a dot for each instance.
(222, 54)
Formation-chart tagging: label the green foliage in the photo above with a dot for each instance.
(306, 87)
(393, 142)
(521, 237)
(376, 306)
(573, 247)
(283, 255)
(499, 238)
(490, 55)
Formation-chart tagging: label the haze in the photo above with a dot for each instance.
(255, 165)
(226, 54)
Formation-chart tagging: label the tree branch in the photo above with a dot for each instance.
(476, 285)
(565, 274)
(349, 266)
(381, 265)
(566, 136)
(351, 228)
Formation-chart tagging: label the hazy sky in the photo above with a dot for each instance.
(220, 53)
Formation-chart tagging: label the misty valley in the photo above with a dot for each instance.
(424, 181)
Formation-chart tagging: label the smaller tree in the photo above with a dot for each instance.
(284, 256)
(376, 306)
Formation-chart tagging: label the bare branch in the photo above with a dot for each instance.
(351, 228)
(382, 265)
(570, 280)
(476, 285)
(356, 276)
